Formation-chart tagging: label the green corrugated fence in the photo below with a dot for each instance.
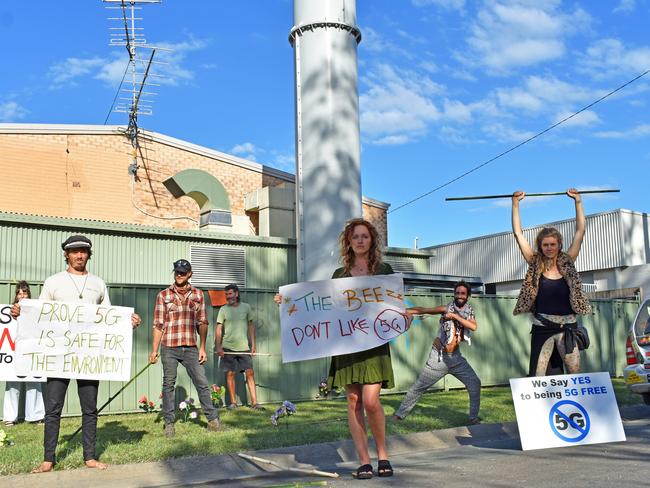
(499, 349)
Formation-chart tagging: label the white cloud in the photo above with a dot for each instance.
(12, 111)
(504, 133)
(374, 42)
(514, 33)
(455, 135)
(625, 6)
(638, 132)
(246, 150)
(583, 119)
(429, 66)
(609, 57)
(539, 95)
(457, 111)
(526, 202)
(111, 69)
(66, 72)
(397, 103)
(448, 4)
(285, 162)
(175, 72)
(392, 140)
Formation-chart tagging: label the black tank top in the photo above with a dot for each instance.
(553, 297)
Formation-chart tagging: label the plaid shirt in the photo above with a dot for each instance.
(178, 315)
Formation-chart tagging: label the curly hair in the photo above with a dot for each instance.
(543, 234)
(347, 254)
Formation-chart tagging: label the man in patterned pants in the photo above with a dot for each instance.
(445, 358)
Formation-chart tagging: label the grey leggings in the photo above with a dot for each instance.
(437, 367)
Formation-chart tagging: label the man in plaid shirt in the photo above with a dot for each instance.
(179, 314)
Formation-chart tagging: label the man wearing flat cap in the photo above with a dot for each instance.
(75, 284)
(178, 316)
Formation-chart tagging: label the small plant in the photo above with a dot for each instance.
(188, 410)
(6, 440)
(217, 394)
(146, 405)
(287, 409)
(324, 391)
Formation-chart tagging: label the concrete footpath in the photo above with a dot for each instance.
(232, 469)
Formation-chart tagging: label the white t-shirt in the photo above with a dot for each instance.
(67, 287)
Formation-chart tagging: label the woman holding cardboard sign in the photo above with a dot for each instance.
(34, 406)
(363, 374)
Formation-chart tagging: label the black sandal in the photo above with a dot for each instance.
(364, 472)
(384, 469)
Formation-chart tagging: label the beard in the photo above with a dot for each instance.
(459, 303)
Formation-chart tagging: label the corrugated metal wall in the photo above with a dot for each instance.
(609, 243)
(408, 260)
(33, 252)
(499, 348)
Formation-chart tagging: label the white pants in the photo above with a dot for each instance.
(34, 408)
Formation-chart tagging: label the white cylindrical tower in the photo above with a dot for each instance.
(328, 167)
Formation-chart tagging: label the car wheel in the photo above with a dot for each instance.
(646, 398)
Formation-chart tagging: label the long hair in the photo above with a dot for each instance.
(543, 234)
(347, 253)
(22, 286)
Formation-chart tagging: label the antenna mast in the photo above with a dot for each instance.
(125, 31)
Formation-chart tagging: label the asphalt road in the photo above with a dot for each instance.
(499, 464)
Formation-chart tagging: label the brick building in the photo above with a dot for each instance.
(82, 171)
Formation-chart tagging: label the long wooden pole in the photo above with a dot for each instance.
(287, 468)
(486, 197)
(247, 353)
(113, 397)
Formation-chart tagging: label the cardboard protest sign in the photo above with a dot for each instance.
(566, 410)
(340, 316)
(74, 340)
(7, 347)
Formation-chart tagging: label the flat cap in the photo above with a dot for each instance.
(75, 242)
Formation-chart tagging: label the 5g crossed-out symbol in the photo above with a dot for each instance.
(563, 424)
(569, 421)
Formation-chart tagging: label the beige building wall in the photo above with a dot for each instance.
(82, 172)
(85, 176)
(376, 213)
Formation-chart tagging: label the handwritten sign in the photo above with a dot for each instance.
(8, 347)
(340, 316)
(74, 340)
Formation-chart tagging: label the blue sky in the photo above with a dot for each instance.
(444, 86)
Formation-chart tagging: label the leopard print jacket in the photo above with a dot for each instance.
(530, 286)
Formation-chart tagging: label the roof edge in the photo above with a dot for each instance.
(136, 229)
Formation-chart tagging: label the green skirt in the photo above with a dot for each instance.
(365, 367)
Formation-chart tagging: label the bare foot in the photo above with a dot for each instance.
(45, 467)
(93, 463)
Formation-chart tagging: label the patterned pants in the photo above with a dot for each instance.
(435, 369)
(571, 360)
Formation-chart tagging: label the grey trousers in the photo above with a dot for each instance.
(188, 356)
(436, 367)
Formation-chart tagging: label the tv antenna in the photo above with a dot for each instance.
(135, 98)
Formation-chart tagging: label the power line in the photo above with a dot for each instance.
(485, 163)
(117, 93)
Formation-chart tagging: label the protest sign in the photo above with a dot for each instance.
(566, 410)
(8, 346)
(74, 340)
(340, 316)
